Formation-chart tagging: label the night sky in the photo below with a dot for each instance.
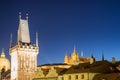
(92, 26)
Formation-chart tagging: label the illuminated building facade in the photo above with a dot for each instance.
(23, 54)
(74, 59)
(50, 71)
(4, 62)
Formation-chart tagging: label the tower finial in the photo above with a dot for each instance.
(36, 38)
(27, 16)
(74, 49)
(10, 40)
(92, 55)
(102, 55)
(82, 54)
(2, 54)
(20, 15)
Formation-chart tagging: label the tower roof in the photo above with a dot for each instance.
(2, 54)
(75, 50)
(66, 55)
(23, 30)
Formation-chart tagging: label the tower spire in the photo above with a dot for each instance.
(36, 38)
(11, 40)
(82, 54)
(102, 55)
(23, 31)
(2, 54)
(19, 15)
(66, 59)
(74, 49)
(92, 55)
(26, 16)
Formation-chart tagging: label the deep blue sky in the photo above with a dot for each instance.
(93, 26)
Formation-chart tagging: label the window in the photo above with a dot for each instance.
(69, 77)
(82, 76)
(62, 78)
(76, 77)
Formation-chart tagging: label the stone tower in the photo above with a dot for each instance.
(23, 54)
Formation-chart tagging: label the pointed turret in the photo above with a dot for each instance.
(66, 59)
(75, 50)
(10, 40)
(19, 15)
(27, 16)
(2, 54)
(36, 39)
(92, 55)
(92, 60)
(75, 56)
(23, 31)
(82, 54)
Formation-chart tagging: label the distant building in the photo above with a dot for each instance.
(75, 59)
(87, 71)
(82, 71)
(50, 71)
(4, 62)
(4, 65)
(23, 54)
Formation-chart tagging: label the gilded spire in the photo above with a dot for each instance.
(66, 59)
(2, 54)
(66, 55)
(75, 49)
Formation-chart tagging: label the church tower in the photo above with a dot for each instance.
(23, 54)
(66, 59)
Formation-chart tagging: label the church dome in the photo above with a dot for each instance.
(4, 62)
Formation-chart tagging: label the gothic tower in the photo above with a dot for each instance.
(66, 59)
(23, 54)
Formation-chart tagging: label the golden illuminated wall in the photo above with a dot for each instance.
(4, 62)
(77, 76)
(75, 59)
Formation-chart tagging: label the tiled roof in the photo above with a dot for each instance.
(96, 67)
(58, 70)
(52, 64)
(110, 76)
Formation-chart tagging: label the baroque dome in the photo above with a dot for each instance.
(4, 62)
